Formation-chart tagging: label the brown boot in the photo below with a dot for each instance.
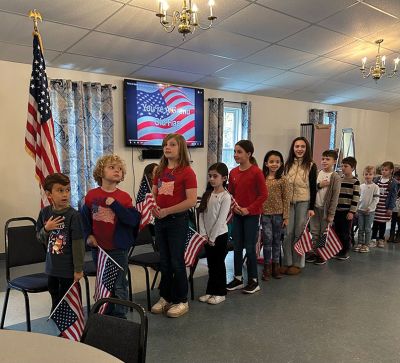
(266, 274)
(293, 270)
(276, 274)
(284, 269)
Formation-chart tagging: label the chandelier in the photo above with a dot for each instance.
(378, 70)
(186, 20)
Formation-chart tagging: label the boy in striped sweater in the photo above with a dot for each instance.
(347, 205)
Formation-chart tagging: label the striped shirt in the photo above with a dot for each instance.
(380, 212)
(349, 194)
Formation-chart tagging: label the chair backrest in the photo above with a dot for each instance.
(21, 245)
(124, 339)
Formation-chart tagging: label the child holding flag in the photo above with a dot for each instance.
(59, 229)
(110, 221)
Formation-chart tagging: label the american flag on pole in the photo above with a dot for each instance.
(145, 203)
(194, 243)
(162, 110)
(68, 315)
(39, 135)
(107, 273)
(329, 244)
(304, 244)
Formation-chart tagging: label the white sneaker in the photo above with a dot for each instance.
(204, 298)
(372, 244)
(216, 299)
(160, 306)
(177, 310)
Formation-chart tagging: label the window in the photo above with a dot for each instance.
(232, 133)
(330, 119)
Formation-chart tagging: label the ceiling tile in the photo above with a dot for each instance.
(214, 41)
(323, 67)
(280, 57)
(17, 29)
(316, 40)
(388, 6)
(125, 22)
(261, 23)
(22, 53)
(390, 36)
(95, 65)
(223, 84)
(310, 10)
(118, 48)
(270, 91)
(248, 72)
(192, 62)
(352, 77)
(165, 76)
(329, 87)
(222, 8)
(359, 93)
(87, 14)
(358, 21)
(292, 80)
(307, 96)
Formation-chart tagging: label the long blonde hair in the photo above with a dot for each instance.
(183, 155)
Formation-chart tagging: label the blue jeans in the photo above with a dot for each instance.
(171, 234)
(297, 221)
(244, 235)
(365, 221)
(272, 230)
(120, 290)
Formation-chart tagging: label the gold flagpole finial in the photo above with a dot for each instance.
(35, 16)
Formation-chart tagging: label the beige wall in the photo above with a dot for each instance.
(393, 145)
(275, 123)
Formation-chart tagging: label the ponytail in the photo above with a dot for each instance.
(205, 198)
(253, 160)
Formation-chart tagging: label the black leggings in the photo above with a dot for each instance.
(58, 286)
(378, 230)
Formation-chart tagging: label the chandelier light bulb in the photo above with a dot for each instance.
(383, 61)
(194, 8)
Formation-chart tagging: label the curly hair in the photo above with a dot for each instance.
(101, 163)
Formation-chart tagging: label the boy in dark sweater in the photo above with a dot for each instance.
(349, 197)
(59, 229)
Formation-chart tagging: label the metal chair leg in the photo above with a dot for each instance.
(155, 279)
(128, 272)
(3, 315)
(87, 293)
(147, 288)
(27, 311)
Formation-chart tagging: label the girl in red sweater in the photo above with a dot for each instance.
(247, 186)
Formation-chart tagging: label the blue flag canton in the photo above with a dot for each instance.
(110, 274)
(189, 236)
(151, 104)
(38, 86)
(64, 316)
(143, 190)
(322, 241)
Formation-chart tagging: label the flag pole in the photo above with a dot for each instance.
(51, 314)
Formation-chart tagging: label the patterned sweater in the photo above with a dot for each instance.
(349, 194)
(278, 201)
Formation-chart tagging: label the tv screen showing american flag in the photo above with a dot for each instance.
(153, 110)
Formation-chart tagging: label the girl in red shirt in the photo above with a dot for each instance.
(175, 191)
(247, 186)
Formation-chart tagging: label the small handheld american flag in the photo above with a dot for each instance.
(68, 314)
(304, 244)
(145, 203)
(229, 218)
(329, 244)
(194, 243)
(107, 273)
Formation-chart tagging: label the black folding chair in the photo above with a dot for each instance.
(146, 260)
(22, 248)
(122, 338)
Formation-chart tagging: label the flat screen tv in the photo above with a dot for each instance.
(153, 110)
